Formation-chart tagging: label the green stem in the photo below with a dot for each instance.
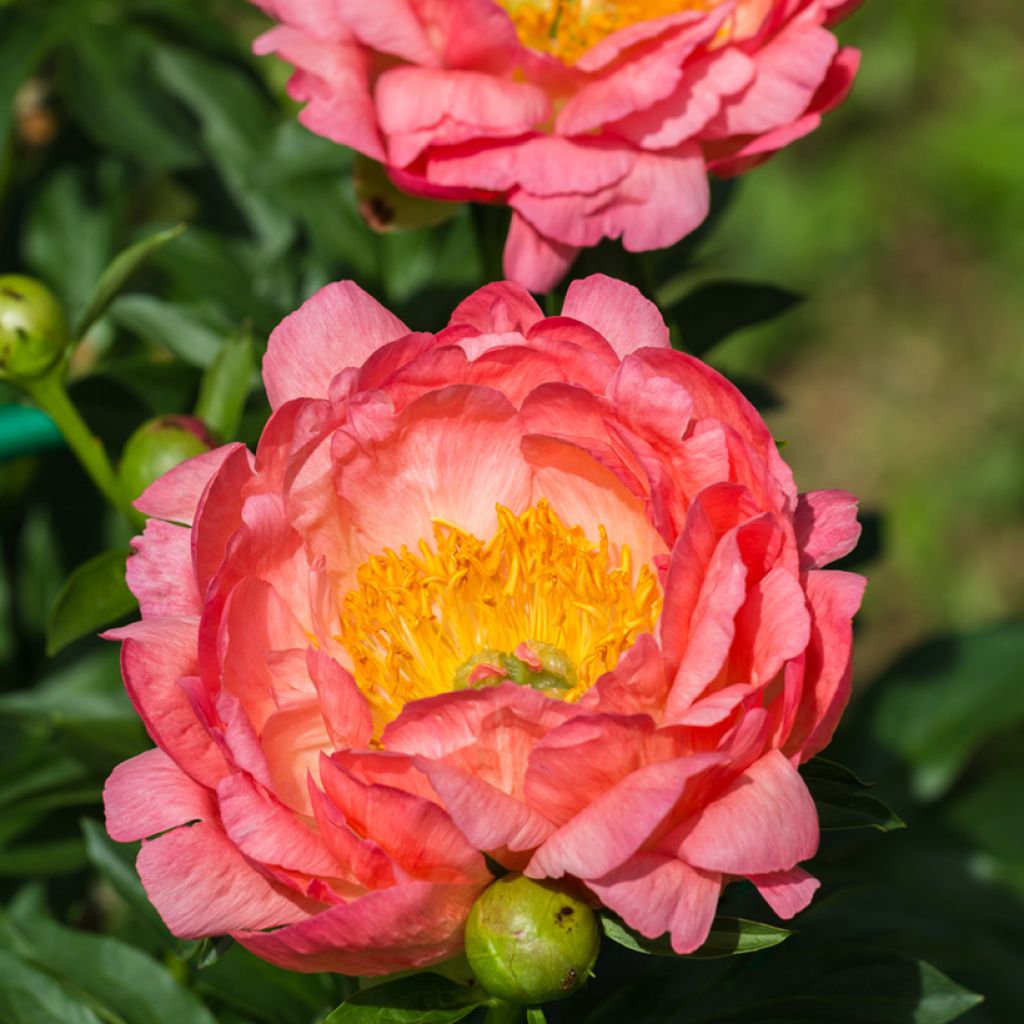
(51, 396)
(504, 1013)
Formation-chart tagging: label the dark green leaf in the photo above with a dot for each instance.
(116, 276)
(93, 596)
(712, 312)
(169, 326)
(842, 799)
(41, 860)
(226, 385)
(939, 705)
(729, 936)
(419, 999)
(28, 996)
(118, 980)
(116, 863)
(117, 100)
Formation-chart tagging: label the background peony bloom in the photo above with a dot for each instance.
(536, 587)
(592, 119)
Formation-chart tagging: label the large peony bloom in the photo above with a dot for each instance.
(590, 118)
(540, 588)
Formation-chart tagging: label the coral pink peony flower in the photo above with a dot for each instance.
(536, 587)
(590, 118)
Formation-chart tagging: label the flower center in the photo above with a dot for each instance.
(567, 28)
(539, 604)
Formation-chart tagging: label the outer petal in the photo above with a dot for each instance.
(655, 893)
(175, 495)
(610, 830)
(617, 311)
(160, 572)
(764, 822)
(149, 794)
(404, 927)
(826, 527)
(537, 261)
(201, 885)
(340, 326)
(834, 598)
(787, 892)
(155, 654)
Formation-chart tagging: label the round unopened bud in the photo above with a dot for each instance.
(385, 207)
(158, 446)
(531, 942)
(33, 333)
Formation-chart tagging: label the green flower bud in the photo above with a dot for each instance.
(158, 446)
(531, 942)
(385, 207)
(33, 332)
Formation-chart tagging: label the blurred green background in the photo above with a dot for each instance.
(898, 376)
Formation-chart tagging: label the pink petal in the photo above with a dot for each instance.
(149, 794)
(390, 26)
(500, 308)
(826, 527)
(451, 454)
(267, 832)
(339, 326)
(697, 99)
(293, 740)
(764, 822)
(155, 654)
(418, 834)
(787, 892)
(834, 598)
(345, 709)
(532, 259)
(201, 885)
(617, 311)
(175, 495)
(404, 927)
(489, 818)
(539, 164)
(654, 894)
(790, 68)
(611, 829)
(159, 573)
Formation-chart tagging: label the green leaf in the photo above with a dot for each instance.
(116, 276)
(535, 1015)
(119, 981)
(28, 996)
(43, 860)
(729, 936)
(940, 704)
(169, 326)
(842, 799)
(226, 386)
(419, 999)
(93, 596)
(116, 863)
(261, 992)
(712, 312)
(116, 99)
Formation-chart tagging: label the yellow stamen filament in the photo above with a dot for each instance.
(415, 618)
(567, 28)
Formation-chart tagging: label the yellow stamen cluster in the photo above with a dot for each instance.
(567, 28)
(416, 618)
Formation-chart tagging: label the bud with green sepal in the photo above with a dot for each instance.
(158, 446)
(531, 942)
(33, 331)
